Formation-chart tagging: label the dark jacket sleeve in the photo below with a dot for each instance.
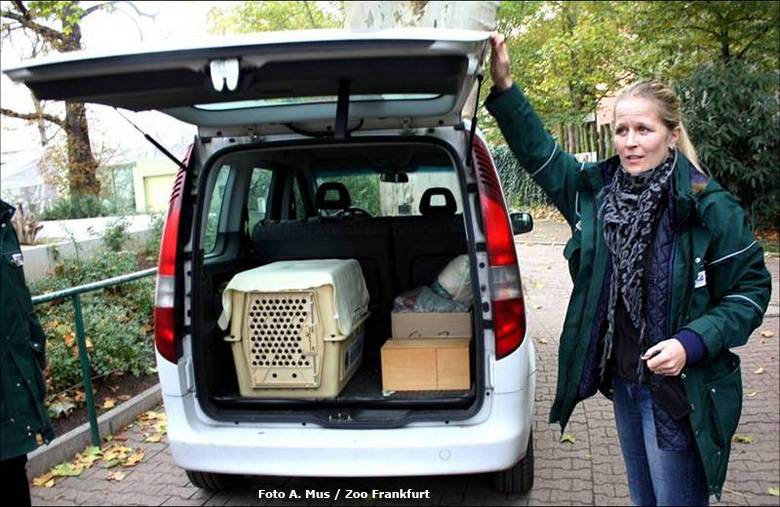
(739, 283)
(536, 150)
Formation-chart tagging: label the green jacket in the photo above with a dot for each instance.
(22, 353)
(721, 286)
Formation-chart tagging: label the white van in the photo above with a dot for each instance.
(285, 121)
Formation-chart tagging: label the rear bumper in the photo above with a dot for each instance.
(496, 443)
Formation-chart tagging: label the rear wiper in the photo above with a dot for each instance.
(157, 145)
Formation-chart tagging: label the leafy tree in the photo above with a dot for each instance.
(733, 115)
(266, 16)
(55, 26)
(567, 56)
(678, 37)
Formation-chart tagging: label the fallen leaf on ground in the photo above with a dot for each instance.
(89, 456)
(116, 451)
(113, 462)
(67, 470)
(43, 480)
(760, 371)
(743, 439)
(133, 460)
(538, 285)
(566, 437)
(767, 334)
(751, 394)
(542, 340)
(123, 397)
(109, 403)
(116, 476)
(153, 439)
(774, 491)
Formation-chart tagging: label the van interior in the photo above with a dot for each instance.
(395, 207)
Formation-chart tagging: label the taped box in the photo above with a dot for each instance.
(431, 325)
(425, 364)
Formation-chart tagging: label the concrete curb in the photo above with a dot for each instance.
(64, 447)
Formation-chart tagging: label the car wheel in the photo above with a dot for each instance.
(213, 482)
(519, 478)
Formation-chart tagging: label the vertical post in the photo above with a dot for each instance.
(82, 342)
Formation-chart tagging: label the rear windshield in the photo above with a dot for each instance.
(391, 199)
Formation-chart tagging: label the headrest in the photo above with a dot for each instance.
(343, 201)
(448, 208)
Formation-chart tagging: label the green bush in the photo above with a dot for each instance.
(733, 117)
(82, 206)
(520, 190)
(118, 320)
(115, 236)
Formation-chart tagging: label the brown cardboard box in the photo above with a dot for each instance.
(425, 364)
(431, 325)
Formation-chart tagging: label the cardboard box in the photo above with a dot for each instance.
(425, 364)
(431, 325)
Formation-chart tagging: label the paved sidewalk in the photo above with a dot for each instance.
(589, 471)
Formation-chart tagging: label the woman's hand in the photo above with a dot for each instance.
(499, 62)
(666, 358)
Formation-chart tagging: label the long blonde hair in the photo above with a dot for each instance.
(669, 108)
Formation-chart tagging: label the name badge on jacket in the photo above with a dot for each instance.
(17, 259)
(701, 280)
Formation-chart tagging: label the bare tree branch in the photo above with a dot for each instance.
(716, 34)
(51, 35)
(131, 4)
(135, 22)
(744, 50)
(310, 15)
(34, 116)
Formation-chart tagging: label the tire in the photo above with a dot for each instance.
(213, 482)
(519, 478)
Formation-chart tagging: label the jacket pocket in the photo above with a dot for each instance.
(725, 395)
(571, 252)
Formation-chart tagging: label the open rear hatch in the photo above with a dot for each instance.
(266, 83)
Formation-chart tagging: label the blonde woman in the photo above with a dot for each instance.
(667, 279)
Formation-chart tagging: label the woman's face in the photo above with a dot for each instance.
(641, 138)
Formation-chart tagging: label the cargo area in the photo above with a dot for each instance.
(394, 209)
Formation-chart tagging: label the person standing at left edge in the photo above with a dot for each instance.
(23, 413)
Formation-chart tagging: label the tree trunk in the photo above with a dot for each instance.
(82, 166)
(465, 15)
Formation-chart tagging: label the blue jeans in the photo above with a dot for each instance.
(655, 476)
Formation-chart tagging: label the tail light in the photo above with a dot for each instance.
(164, 335)
(506, 286)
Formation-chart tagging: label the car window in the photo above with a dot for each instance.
(215, 209)
(259, 187)
(379, 198)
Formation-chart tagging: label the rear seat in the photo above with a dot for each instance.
(367, 240)
(395, 254)
(425, 244)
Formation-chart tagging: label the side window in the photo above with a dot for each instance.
(259, 188)
(215, 208)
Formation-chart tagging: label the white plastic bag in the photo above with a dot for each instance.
(456, 279)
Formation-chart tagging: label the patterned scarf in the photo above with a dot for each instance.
(629, 213)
